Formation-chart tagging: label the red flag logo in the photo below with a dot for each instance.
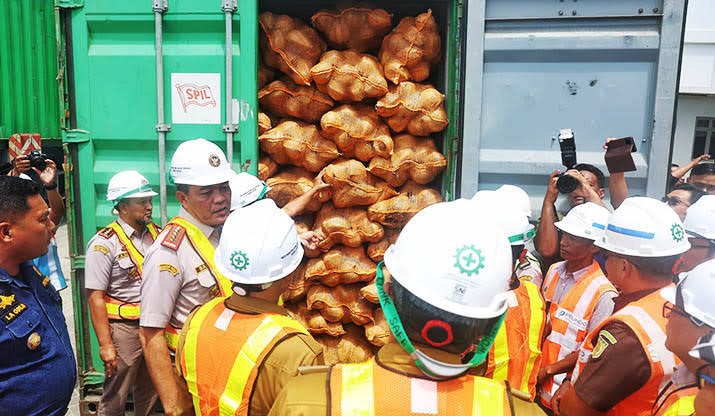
(192, 94)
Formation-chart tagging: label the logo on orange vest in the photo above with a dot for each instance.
(239, 260)
(677, 231)
(569, 318)
(469, 260)
(604, 340)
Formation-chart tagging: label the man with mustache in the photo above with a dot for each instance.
(113, 280)
(179, 270)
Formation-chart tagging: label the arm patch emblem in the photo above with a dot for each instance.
(174, 235)
(102, 249)
(165, 267)
(604, 340)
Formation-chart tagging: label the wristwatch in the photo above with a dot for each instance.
(51, 187)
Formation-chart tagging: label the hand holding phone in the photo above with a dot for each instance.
(618, 155)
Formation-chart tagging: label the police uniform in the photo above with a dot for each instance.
(312, 393)
(177, 276)
(529, 270)
(37, 365)
(255, 326)
(110, 267)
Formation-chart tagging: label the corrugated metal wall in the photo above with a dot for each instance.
(29, 93)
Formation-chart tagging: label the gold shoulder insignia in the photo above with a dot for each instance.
(106, 232)
(100, 248)
(6, 301)
(174, 235)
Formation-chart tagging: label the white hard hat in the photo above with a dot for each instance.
(700, 218)
(695, 292)
(586, 220)
(245, 189)
(511, 218)
(454, 260)
(200, 162)
(259, 244)
(516, 197)
(128, 184)
(644, 227)
(705, 348)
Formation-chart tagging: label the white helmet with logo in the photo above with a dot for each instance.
(644, 227)
(517, 197)
(245, 189)
(510, 217)
(586, 221)
(259, 244)
(695, 292)
(454, 260)
(128, 184)
(201, 163)
(700, 218)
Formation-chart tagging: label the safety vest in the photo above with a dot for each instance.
(515, 355)
(675, 402)
(569, 319)
(223, 352)
(645, 318)
(118, 309)
(367, 389)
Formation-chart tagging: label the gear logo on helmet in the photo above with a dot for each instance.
(677, 231)
(469, 260)
(239, 260)
(214, 161)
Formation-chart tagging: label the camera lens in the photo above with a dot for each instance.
(566, 184)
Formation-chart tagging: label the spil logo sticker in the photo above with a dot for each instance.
(677, 231)
(469, 260)
(239, 260)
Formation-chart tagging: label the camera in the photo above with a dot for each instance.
(37, 159)
(567, 183)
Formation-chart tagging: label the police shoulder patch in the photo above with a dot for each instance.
(174, 235)
(102, 249)
(106, 232)
(605, 339)
(165, 267)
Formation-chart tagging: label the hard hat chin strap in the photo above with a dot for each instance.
(432, 368)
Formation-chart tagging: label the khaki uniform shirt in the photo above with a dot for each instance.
(109, 268)
(175, 281)
(280, 365)
(306, 394)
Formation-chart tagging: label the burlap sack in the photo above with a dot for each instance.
(349, 348)
(340, 266)
(378, 333)
(298, 285)
(264, 122)
(346, 226)
(340, 303)
(265, 74)
(266, 167)
(412, 47)
(417, 108)
(313, 321)
(369, 292)
(376, 251)
(356, 28)
(357, 131)
(351, 185)
(349, 76)
(285, 98)
(414, 158)
(299, 144)
(292, 183)
(289, 45)
(395, 212)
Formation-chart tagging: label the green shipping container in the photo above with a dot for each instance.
(121, 120)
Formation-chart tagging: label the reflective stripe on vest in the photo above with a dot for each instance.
(512, 357)
(683, 406)
(203, 247)
(570, 319)
(674, 402)
(171, 335)
(217, 336)
(645, 318)
(367, 389)
(134, 254)
(118, 309)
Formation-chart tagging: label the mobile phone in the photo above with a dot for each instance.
(618, 155)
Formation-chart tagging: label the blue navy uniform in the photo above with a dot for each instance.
(37, 364)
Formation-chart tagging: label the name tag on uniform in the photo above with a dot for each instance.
(200, 268)
(16, 311)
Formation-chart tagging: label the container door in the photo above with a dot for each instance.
(604, 69)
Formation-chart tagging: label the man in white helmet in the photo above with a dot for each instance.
(179, 271)
(247, 189)
(263, 345)
(113, 275)
(579, 295)
(690, 311)
(705, 399)
(623, 362)
(447, 292)
(699, 227)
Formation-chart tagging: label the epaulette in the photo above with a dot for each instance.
(312, 369)
(106, 232)
(174, 235)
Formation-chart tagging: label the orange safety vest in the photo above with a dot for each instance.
(515, 355)
(223, 352)
(367, 389)
(645, 318)
(569, 319)
(675, 402)
(203, 247)
(119, 309)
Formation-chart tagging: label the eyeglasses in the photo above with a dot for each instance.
(673, 201)
(669, 308)
(703, 378)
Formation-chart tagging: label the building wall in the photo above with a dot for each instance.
(689, 107)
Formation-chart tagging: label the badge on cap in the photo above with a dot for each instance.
(677, 231)
(214, 161)
(34, 341)
(469, 260)
(239, 260)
